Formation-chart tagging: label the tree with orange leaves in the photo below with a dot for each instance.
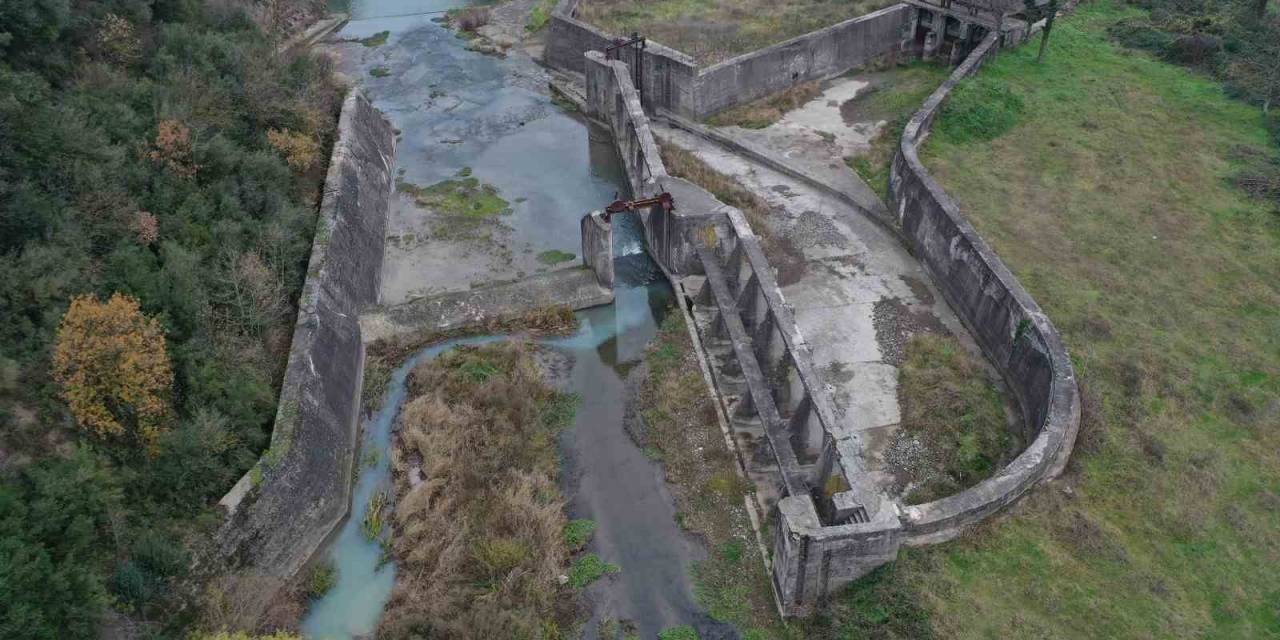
(111, 363)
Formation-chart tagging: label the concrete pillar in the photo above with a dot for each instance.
(597, 247)
(747, 303)
(798, 426)
(762, 341)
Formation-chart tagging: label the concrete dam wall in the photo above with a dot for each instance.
(284, 508)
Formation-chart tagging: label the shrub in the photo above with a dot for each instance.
(682, 632)
(578, 532)
(321, 580)
(470, 18)
(111, 363)
(980, 108)
(588, 568)
(301, 151)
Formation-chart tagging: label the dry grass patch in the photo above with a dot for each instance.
(683, 164)
(954, 433)
(766, 111)
(479, 519)
(681, 429)
(384, 354)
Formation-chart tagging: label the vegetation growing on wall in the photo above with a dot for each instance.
(137, 158)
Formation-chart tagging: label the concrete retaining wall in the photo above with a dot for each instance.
(672, 80)
(817, 55)
(286, 506)
(1009, 326)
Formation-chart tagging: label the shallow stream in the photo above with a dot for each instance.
(502, 124)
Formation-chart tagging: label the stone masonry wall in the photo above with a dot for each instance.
(1008, 325)
(286, 506)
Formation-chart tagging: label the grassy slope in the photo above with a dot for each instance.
(715, 30)
(681, 430)
(1109, 201)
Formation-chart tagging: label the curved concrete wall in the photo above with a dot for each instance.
(1009, 326)
(285, 507)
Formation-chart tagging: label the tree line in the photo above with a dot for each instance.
(160, 170)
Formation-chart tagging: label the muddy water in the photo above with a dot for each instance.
(456, 108)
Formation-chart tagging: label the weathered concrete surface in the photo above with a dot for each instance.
(797, 160)
(576, 288)
(1005, 321)
(857, 293)
(597, 247)
(612, 100)
(286, 506)
(457, 110)
(767, 375)
(817, 55)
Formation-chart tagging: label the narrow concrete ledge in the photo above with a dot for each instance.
(315, 32)
(578, 288)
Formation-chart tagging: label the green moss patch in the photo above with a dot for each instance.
(376, 40)
(555, 256)
(463, 197)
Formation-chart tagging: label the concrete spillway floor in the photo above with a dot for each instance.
(857, 293)
(461, 115)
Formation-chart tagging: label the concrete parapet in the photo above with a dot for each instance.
(1006, 322)
(284, 508)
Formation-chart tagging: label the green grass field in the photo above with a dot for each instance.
(1110, 199)
(716, 30)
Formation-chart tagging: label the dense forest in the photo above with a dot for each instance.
(160, 169)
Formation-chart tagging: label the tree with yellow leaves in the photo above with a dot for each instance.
(111, 363)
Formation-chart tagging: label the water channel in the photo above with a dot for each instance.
(500, 122)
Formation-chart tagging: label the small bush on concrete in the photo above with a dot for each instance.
(980, 109)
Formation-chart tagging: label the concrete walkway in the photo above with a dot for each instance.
(857, 293)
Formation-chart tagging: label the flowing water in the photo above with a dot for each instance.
(456, 108)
